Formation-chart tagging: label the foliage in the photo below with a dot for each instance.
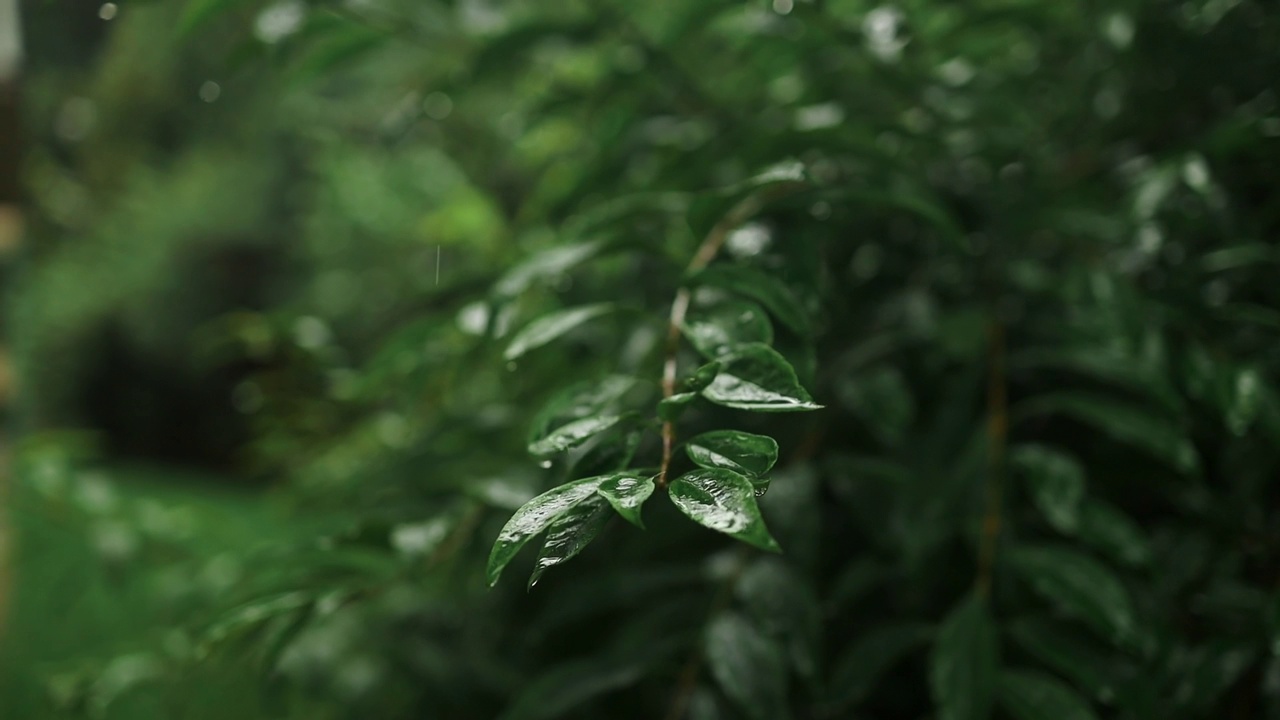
(1012, 262)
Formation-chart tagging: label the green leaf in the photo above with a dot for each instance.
(544, 265)
(962, 672)
(858, 670)
(198, 13)
(715, 331)
(762, 287)
(1079, 585)
(1109, 531)
(880, 397)
(573, 434)
(733, 450)
(1031, 695)
(1056, 482)
(670, 409)
(606, 396)
(1122, 422)
(567, 687)
(748, 666)
(724, 501)
(572, 531)
(534, 517)
(1066, 652)
(551, 326)
(783, 603)
(702, 377)
(627, 492)
(755, 377)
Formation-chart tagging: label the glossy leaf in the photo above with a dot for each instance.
(606, 396)
(733, 450)
(965, 660)
(1056, 482)
(627, 492)
(571, 532)
(670, 409)
(762, 287)
(533, 518)
(755, 377)
(716, 330)
(702, 377)
(1030, 695)
(1079, 585)
(573, 434)
(544, 265)
(551, 326)
(724, 501)
(748, 666)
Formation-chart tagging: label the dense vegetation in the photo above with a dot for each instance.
(833, 360)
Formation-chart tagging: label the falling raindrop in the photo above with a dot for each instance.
(209, 91)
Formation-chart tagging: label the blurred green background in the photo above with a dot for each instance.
(262, 432)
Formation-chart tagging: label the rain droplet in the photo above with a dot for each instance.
(209, 91)
(108, 11)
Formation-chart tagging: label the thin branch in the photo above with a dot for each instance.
(706, 253)
(997, 439)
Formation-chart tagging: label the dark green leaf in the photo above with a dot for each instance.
(670, 409)
(567, 687)
(858, 669)
(724, 501)
(962, 673)
(1079, 585)
(748, 666)
(1068, 653)
(880, 397)
(572, 531)
(1030, 695)
(715, 331)
(573, 434)
(784, 604)
(606, 396)
(733, 450)
(1113, 533)
(551, 326)
(534, 517)
(755, 377)
(762, 287)
(702, 377)
(1056, 482)
(1122, 422)
(626, 492)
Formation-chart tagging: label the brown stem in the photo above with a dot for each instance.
(997, 439)
(707, 252)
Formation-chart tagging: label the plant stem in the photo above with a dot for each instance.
(707, 252)
(997, 439)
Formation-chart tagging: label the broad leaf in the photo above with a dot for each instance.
(733, 450)
(1030, 695)
(1122, 422)
(756, 377)
(626, 492)
(724, 501)
(573, 434)
(606, 396)
(716, 330)
(962, 673)
(551, 326)
(569, 534)
(1079, 585)
(748, 666)
(1056, 482)
(567, 687)
(762, 287)
(702, 377)
(670, 409)
(534, 517)
(546, 264)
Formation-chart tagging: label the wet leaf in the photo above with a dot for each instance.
(551, 326)
(626, 492)
(1031, 695)
(755, 377)
(740, 452)
(1056, 482)
(572, 531)
(1079, 585)
(702, 377)
(965, 660)
(533, 518)
(573, 434)
(715, 331)
(748, 666)
(762, 287)
(670, 409)
(724, 501)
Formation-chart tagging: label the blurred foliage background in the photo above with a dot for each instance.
(275, 251)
